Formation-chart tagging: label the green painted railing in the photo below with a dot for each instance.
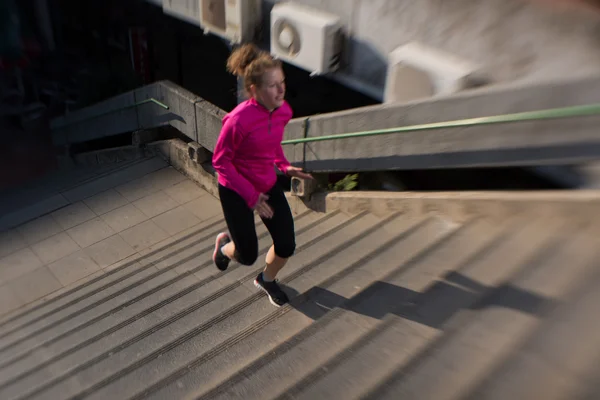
(552, 113)
(151, 100)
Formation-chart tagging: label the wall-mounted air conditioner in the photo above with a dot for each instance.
(187, 10)
(306, 37)
(234, 20)
(416, 71)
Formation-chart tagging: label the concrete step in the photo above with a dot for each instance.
(560, 358)
(419, 321)
(101, 298)
(370, 308)
(398, 240)
(197, 314)
(382, 306)
(100, 324)
(467, 354)
(125, 282)
(230, 335)
(351, 316)
(84, 293)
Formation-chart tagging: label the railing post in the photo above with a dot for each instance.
(306, 126)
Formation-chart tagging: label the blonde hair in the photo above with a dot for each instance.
(250, 63)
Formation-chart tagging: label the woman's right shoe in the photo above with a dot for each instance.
(277, 297)
(220, 259)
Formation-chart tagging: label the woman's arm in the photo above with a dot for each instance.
(281, 161)
(227, 143)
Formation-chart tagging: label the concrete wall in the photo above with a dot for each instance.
(559, 141)
(562, 141)
(109, 117)
(190, 114)
(513, 40)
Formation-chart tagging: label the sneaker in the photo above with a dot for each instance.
(277, 297)
(220, 259)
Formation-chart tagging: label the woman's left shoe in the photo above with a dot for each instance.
(220, 259)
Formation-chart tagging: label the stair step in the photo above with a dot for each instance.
(118, 293)
(418, 323)
(19, 317)
(113, 280)
(366, 240)
(73, 337)
(560, 359)
(405, 238)
(500, 323)
(101, 333)
(384, 297)
(189, 317)
(349, 319)
(213, 326)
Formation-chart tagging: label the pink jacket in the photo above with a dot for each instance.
(248, 148)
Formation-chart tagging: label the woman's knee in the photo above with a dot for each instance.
(285, 249)
(246, 256)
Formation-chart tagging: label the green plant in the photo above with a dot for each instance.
(346, 184)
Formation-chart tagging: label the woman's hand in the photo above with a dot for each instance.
(298, 173)
(262, 207)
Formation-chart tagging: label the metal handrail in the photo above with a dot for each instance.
(139, 103)
(551, 113)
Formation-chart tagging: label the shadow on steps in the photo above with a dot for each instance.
(382, 298)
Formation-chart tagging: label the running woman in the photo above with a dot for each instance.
(247, 150)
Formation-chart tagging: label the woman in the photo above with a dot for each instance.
(248, 148)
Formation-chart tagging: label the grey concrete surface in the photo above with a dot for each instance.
(115, 296)
(100, 120)
(88, 228)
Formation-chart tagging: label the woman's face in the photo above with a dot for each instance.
(271, 92)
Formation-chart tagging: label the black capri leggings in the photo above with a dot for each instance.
(240, 222)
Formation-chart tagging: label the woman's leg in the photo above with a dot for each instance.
(281, 228)
(274, 264)
(241, 243)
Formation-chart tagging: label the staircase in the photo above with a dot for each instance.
(383, 306)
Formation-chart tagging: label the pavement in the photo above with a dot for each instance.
(99, 232)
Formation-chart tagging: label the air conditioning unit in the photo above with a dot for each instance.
(186, 10)
(234, 20)
(305, 37)
(416, 71)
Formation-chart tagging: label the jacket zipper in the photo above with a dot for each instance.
(270, 114)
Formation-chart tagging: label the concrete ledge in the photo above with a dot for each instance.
(455, 206)
(458, 206)
(176, 153)
(106, 118)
